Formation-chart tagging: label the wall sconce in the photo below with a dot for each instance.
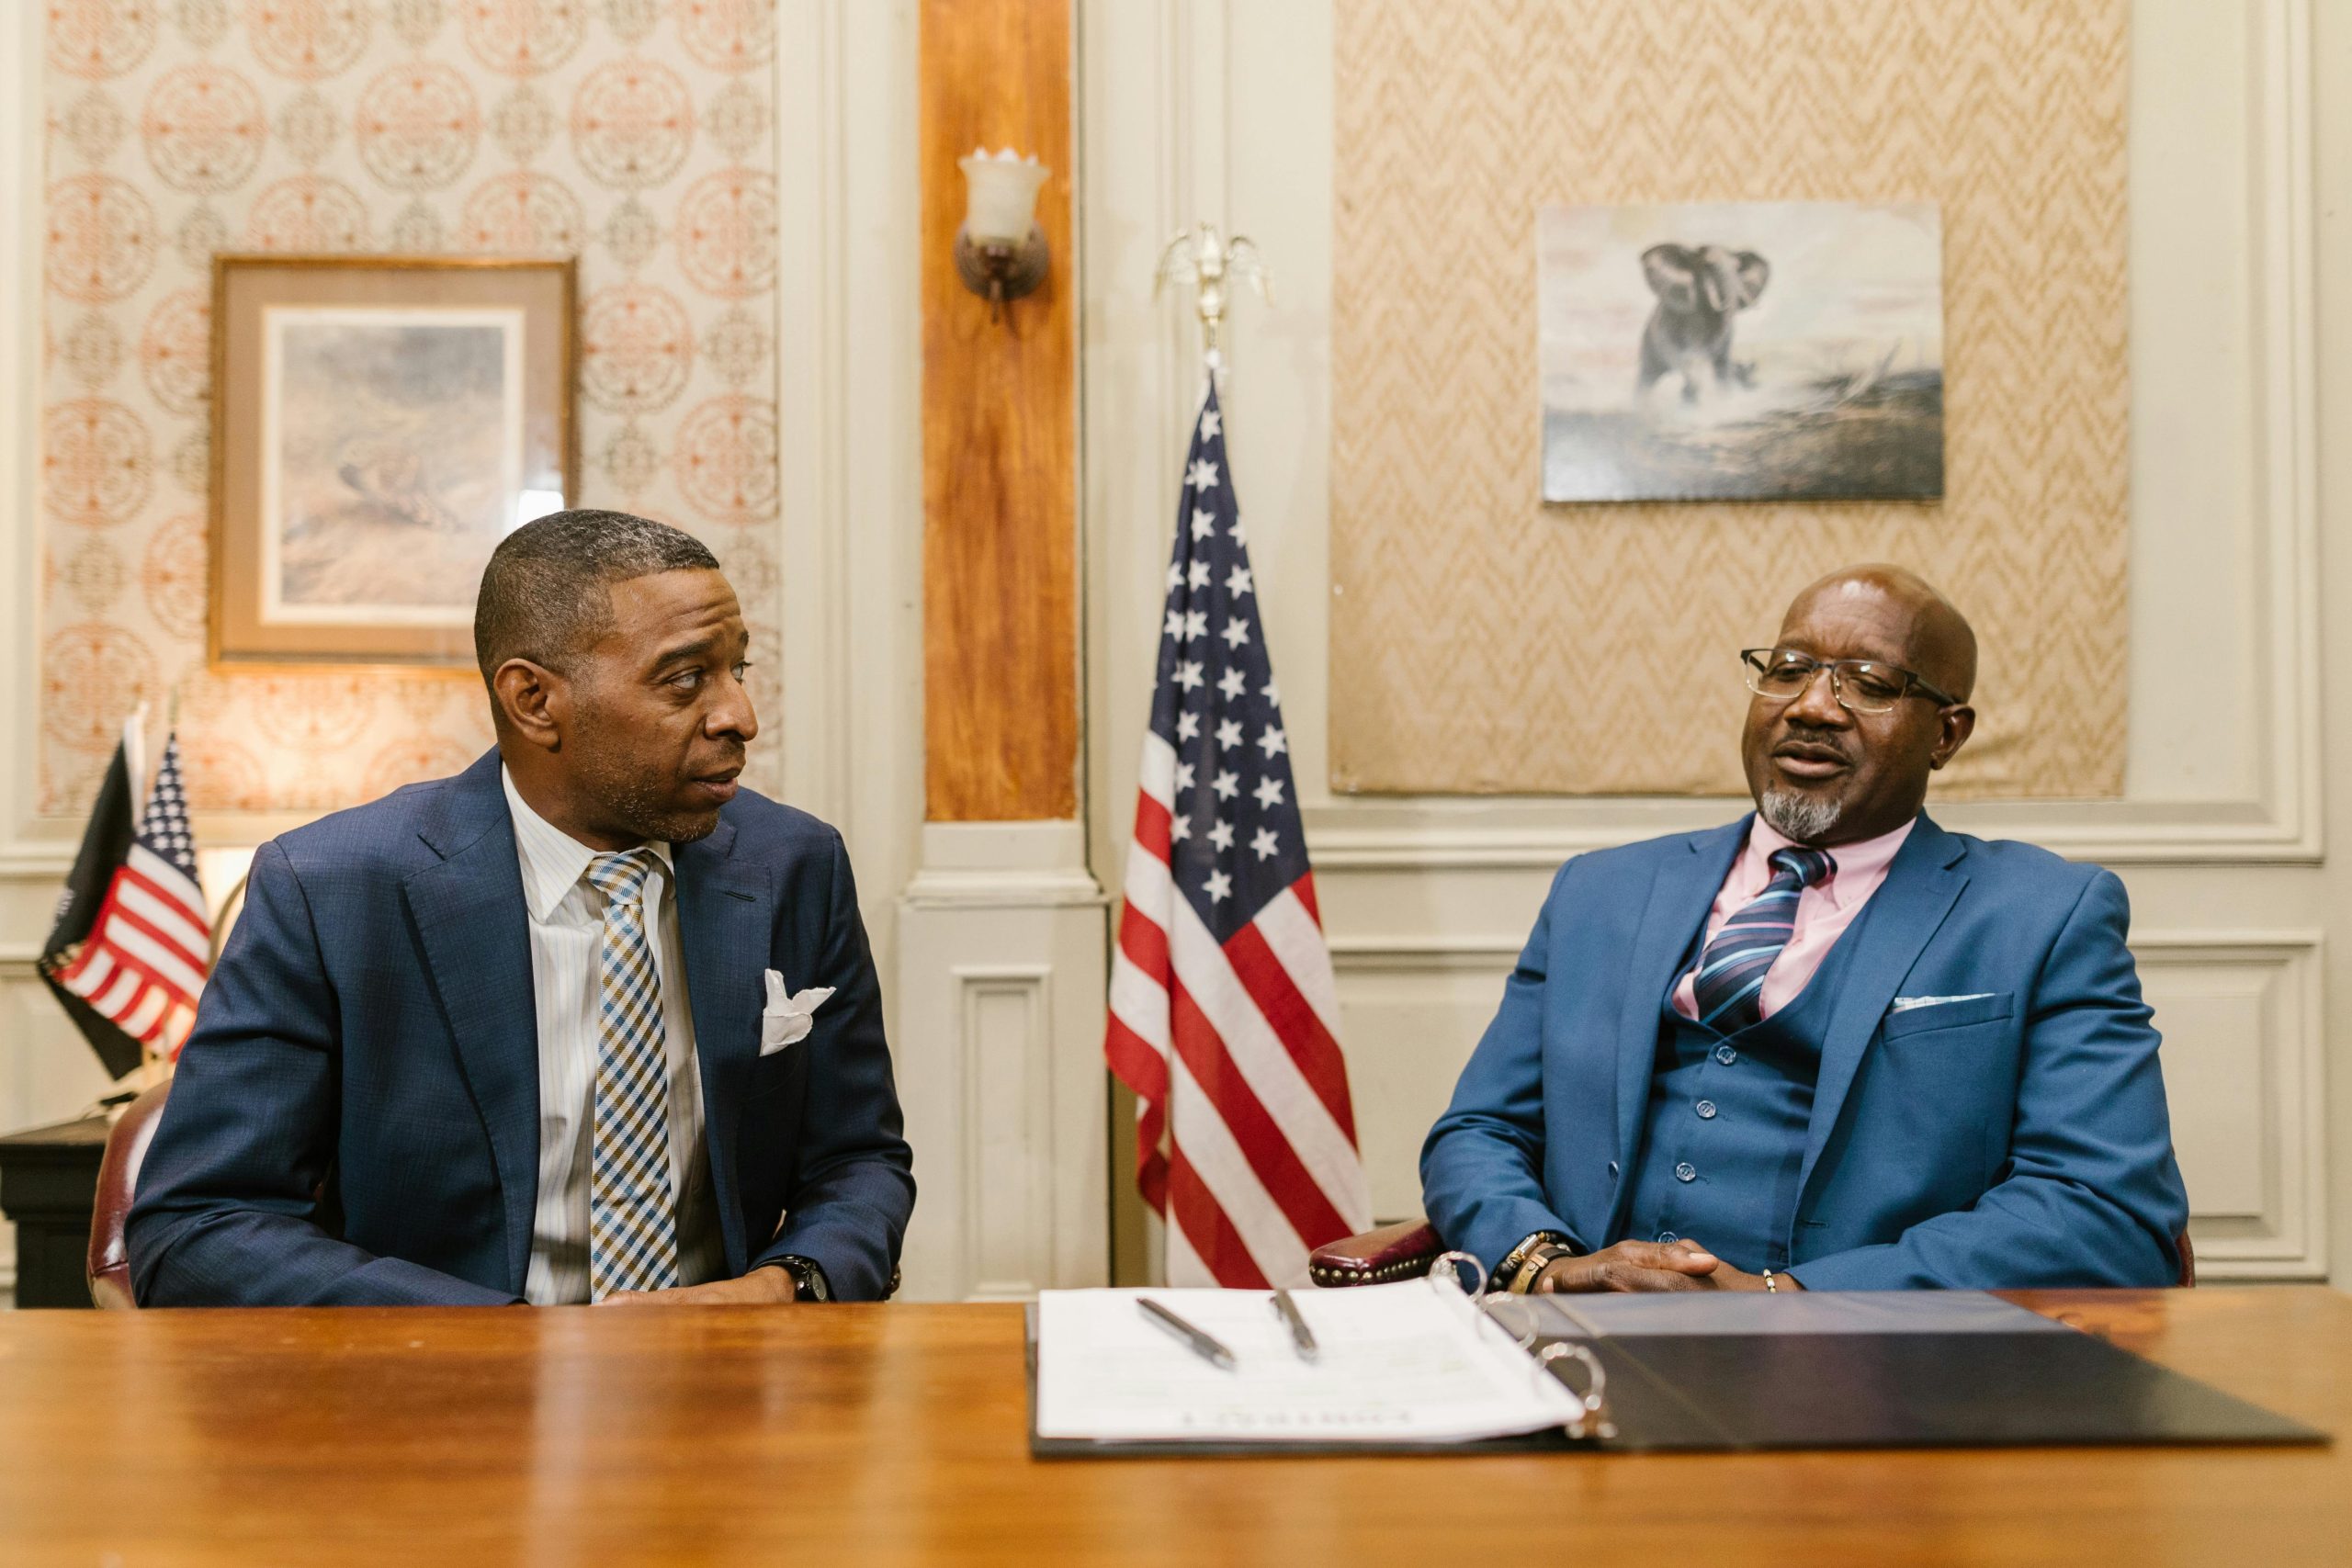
(999, 252)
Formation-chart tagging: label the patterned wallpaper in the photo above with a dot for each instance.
(631, 133)
(1495, 644)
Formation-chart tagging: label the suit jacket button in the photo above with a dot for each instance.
(1686, 1171)
(1613, 1171)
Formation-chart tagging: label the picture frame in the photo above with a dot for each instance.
(378, 424)
(1742, 351)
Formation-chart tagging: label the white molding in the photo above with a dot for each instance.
(1004, 866)
(988, 1182)
(2288, 1238)
(23, 132)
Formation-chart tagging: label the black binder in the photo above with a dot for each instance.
(1745, 1372)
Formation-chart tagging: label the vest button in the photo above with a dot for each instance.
(1726, 1055)
(1667, 1236)
(1686, 1171)
(1613, 1171)
(1706, 1110)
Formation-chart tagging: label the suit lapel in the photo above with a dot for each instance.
(1903, 915)
(472, 921)
(725, 919)
(1687, 882)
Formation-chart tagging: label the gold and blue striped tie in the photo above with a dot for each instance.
(632, 1221)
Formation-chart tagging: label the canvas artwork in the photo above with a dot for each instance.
(393, 461)
(1742, 351)
(380, 423)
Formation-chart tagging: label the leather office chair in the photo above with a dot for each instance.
(1409, 1247)
(107, 1267)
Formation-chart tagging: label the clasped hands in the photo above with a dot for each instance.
(1681, 1265)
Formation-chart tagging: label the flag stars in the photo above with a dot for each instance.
(1220, 888)
(1226, 786)
(1183, 777)
(1202, 475)
(1179, 830)
(1236, 632)
(1221, 835)
(1196, 625)
(1197, 574)
(1229, 734)
(1272, 741)
(1270, 692)
(1174, 627)
(1212, 422)
(1175, 576)
(1269, 793)
(1231, 684)
(1188, 725)
(1188, 674)
(1237, 582)
(1204, 522)
(1264, 844)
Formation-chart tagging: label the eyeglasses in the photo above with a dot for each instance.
(1861, 685)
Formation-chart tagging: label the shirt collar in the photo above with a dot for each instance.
(1860, 866)
(552, 859)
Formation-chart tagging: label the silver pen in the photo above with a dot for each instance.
(1302, 1339)
(1201, 1345)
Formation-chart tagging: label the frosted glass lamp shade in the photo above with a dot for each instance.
(1000, 194)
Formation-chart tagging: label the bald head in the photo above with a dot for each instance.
(1938, 642)
(1832, 763)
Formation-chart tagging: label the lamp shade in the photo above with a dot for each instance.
(1000, 192)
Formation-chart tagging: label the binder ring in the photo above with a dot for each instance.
(1446, 1269)
(1591, 1419)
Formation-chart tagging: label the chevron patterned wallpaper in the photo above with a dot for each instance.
(1497, 645)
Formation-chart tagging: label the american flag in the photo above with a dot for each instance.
(1224, 1018)
(150, 948)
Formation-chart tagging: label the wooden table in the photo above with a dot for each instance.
(864, 1435)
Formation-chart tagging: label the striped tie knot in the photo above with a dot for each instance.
(621, 875)
(1807, 866)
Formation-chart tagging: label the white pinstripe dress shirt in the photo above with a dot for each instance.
(567, 918)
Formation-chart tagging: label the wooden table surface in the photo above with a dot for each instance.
(863, 1434)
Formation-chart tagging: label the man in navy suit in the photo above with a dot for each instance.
(1830, 1046)
(588, 1021)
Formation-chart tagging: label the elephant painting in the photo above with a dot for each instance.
(1700, 292)
(1668, 374)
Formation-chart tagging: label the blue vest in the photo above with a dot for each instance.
(1724, 1139)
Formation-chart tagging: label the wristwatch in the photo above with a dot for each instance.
(809, 1280)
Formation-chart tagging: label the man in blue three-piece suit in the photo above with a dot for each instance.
(585, 1022)
(1830, 1046)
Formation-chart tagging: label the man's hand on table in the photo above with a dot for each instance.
(771, 1286)
(1650, 1266)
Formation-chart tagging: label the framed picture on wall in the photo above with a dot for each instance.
(379, 424)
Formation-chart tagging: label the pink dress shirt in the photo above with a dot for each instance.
(1824, 910)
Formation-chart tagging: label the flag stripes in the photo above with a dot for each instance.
(1223, 1011)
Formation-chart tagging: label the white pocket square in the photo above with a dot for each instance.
(1909, 1004)
(788, 1015)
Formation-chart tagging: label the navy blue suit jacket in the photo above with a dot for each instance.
(2017, 1138)
(356, 1117)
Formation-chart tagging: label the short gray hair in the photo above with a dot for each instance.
(544, 595)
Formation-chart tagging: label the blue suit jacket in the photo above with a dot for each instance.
(370, 1029)
(2016, 1139)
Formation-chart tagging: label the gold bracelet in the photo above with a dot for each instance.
(1514, 1262)
(1771, 1289)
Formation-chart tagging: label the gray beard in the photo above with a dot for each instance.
(1805, 818)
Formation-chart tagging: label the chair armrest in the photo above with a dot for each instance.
(1392, 1252)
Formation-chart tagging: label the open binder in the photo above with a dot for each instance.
(1413, 1368)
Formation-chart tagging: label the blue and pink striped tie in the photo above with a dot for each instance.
(1729, 986)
